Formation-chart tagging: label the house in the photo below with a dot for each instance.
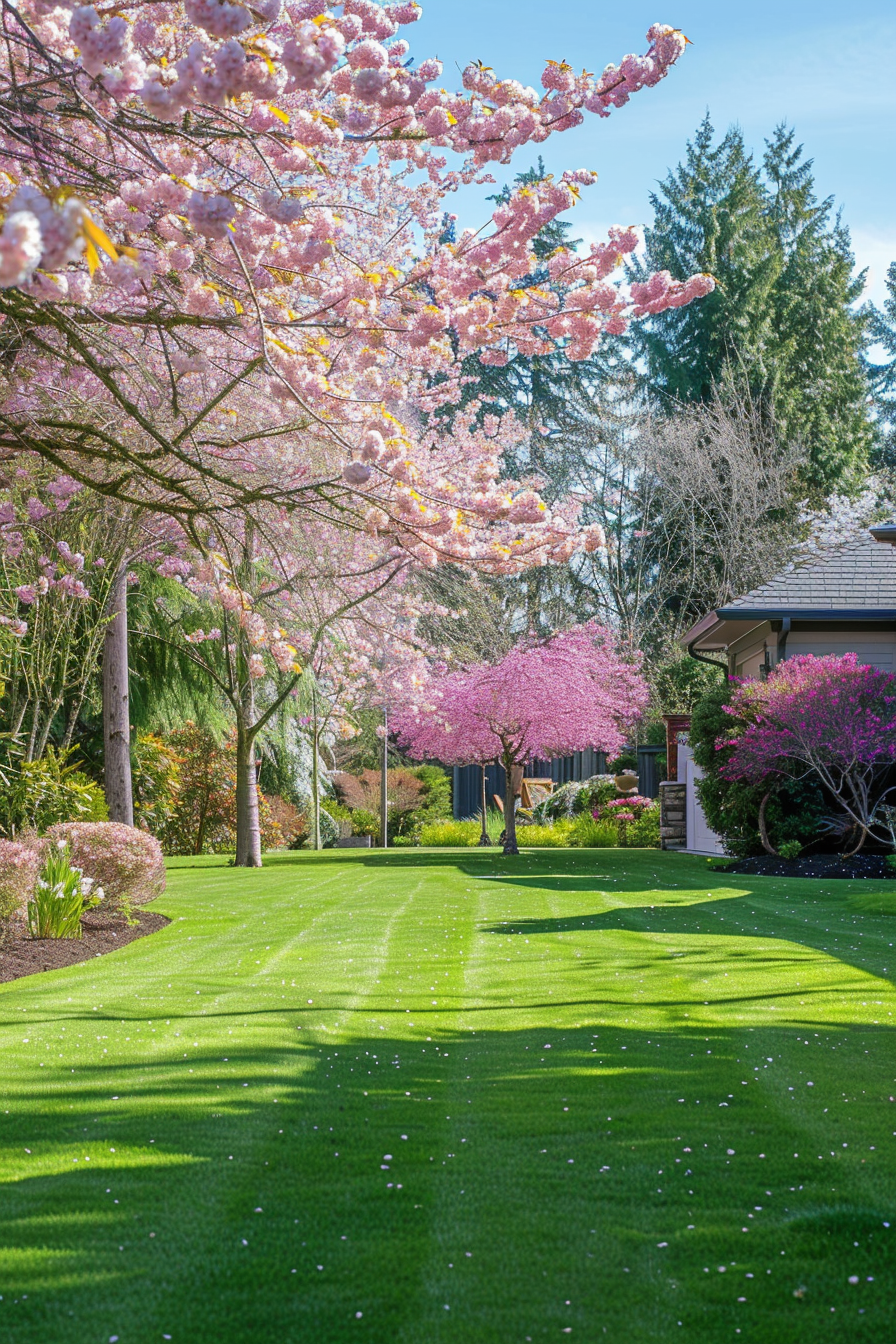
(841, 601)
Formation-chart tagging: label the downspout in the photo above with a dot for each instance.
(782, 639)
(702, 658)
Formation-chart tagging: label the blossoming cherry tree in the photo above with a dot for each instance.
(577, 690)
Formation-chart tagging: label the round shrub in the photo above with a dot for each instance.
(365, 822)
(795, 811)
(19, 867)
(126, 862)
(579, 795)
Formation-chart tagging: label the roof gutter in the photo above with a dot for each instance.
(702, 658)
(861, 615)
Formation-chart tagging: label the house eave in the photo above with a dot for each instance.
(718, 630)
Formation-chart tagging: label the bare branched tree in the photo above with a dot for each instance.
(698, 507)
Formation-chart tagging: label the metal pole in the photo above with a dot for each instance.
(483, 802)
(384, 784)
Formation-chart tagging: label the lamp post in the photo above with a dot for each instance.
(484, 837)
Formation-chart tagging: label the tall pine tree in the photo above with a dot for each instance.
(782, 319)
(882, 373)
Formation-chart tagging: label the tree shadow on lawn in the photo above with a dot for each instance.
(479, 1187)
(779, 909)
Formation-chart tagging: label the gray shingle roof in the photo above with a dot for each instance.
(858, 576)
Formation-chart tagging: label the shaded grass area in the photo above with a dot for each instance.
(457, 1097)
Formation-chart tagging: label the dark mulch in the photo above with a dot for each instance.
(814, 865)
(22, 955)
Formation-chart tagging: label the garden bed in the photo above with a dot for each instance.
(814, 865)
(22, 955)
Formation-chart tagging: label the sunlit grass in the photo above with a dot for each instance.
(456, 1097)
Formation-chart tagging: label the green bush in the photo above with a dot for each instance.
(795, 811)
(38, 794)
(365, 823)
(156, 778)
(791, 849)
(202, 815)
(644, 831)
(575, 797)
(436, 796)
(441, 833)
(545, 837)
(586, 833)
(93, 797)
(625, 761)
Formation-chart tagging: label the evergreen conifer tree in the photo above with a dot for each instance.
(782, 319)
(882, 375)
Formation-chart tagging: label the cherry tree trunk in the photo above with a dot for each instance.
(510, 845)
(384, 786)
(315, 774)
(116, 705)
(248, 828)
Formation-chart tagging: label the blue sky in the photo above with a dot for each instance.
(826, 68)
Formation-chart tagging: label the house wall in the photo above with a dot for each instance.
(747, 654)
(699, 838)
(878, 649)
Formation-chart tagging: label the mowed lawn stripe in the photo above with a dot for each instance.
(576, 1092)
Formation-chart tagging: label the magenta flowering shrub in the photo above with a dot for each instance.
(831, 717)
(19, 867)
(126, 862)
(635, 803)
(635, 818)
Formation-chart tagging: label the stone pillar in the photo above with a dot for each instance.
(673, 815)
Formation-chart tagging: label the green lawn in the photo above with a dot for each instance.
(446, 1096)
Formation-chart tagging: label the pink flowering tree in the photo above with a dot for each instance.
(577, 690)
(224, 276)
(322, 616)
(226, 285)
(830, 717)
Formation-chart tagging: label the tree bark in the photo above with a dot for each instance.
(315, 772)
(763, 831)
(384, 786)
(116, 705)
(510, 845)
(483, 802)
(248, 830)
